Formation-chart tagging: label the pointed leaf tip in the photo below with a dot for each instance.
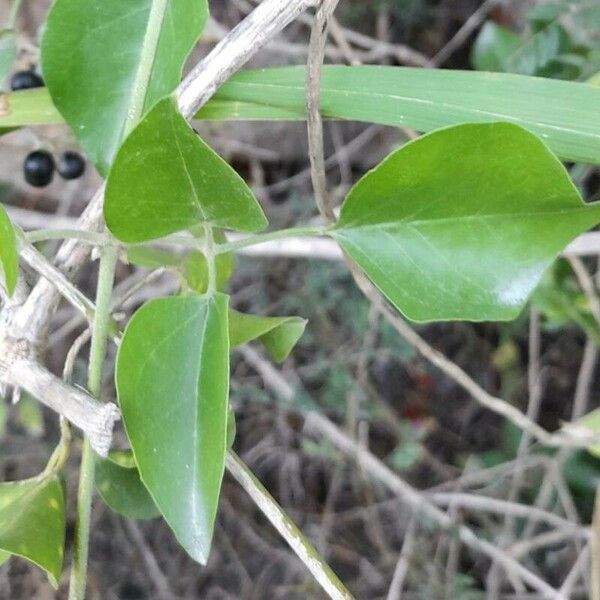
(93, 88)
(172, 379)
(166, 179)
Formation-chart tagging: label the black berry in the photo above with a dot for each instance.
(71, 165)
(38, 168)
(25, 80)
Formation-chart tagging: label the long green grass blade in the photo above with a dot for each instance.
(565, 114)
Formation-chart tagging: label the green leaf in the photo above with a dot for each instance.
(152, 258)
(539, 50)
(99, 59)
(119, 485)
(195, 268)
(28, 107)
(166, 179)
(195, 271)
(560, 299)
(279, 335)
(563, 113)
(543, 14)
(493, 46)
(172, 379)
(9, 256)
(192, 266)
(32, 522)
(463, 222)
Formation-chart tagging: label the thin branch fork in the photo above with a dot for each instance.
(95, 418)
(24, 324)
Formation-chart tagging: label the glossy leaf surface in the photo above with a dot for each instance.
(120, 487)
(463, 222)
(173, 382)
(101, 58)
(166, 179)
(563, 113)
(9, 256)
(279, 335)
(32, 522)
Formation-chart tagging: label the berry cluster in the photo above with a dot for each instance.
(39, 166)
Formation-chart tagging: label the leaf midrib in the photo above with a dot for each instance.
(195, 487)
(408, 222)
(149, 49)
(326, 89)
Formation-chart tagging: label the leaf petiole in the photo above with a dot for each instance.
(209, 254)
(254, 240)
(44, 235)
(61, 452)
(101, 328)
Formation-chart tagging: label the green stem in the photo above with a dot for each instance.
(61, 452)
(100, 332)
(271, 236)
(102, 320)
(43, 235)
(12, 16)
(100, 239)
(147, 56)
(209, 253)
